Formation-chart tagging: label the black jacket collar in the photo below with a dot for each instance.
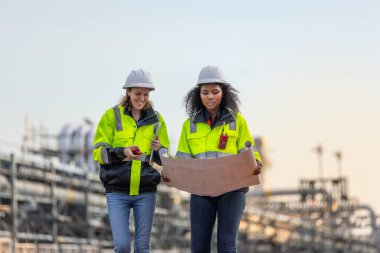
(148, 117)
(226, 117)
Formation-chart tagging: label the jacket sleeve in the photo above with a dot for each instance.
(103, 152)
(245, 136)
(183, 151)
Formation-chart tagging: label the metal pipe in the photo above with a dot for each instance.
(295, 192)
(54, 206)
(37, 189)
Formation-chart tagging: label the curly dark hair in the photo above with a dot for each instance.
(230, 99)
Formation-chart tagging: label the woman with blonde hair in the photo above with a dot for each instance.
(127, 141)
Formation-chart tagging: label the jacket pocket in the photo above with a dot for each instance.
(197, 142)
(123, 139)
(231, 147)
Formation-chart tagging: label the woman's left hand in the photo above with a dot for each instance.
(258, 169)
(156, 145)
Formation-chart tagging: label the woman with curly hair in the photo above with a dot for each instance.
(215, 128)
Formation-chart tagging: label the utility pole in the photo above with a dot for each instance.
(319, 151)
(338, 156)
(14, 204)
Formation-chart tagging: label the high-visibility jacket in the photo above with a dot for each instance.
(116, 130)
(199, 140)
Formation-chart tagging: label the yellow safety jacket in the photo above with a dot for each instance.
(116, 130)
(199, 140)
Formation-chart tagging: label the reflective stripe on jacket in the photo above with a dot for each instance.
(116, 130)
(199, 140)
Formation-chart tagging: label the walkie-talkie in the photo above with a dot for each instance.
(223, 139)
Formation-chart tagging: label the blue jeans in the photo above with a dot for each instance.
(228, 209)
(119, 206)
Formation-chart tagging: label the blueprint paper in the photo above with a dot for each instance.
(211, 177)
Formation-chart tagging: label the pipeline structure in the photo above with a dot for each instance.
(52, 201)
(47, 206)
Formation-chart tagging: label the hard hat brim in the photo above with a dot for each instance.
(211, 80)
(138, 85)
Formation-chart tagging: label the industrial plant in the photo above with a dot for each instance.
(52, 201)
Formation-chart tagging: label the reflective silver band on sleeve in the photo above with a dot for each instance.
(245, 148)
(104, 155)
(103, 144)
(211, 154)
(163, 152)
(182, 155)
(119, 126)
(204, 156)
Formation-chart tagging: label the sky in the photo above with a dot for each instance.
(307, 72)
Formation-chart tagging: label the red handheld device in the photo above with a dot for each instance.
(136, 151)
(223, 141)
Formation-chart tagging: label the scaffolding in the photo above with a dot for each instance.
(319, 216)
(52, 207)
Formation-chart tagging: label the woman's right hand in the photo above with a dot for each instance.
(130, 152)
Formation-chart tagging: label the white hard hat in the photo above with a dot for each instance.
(139, 78)
(211, 74)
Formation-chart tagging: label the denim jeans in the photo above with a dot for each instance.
(227, 209)
(119, 206)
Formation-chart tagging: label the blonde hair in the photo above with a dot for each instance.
(125, 102)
